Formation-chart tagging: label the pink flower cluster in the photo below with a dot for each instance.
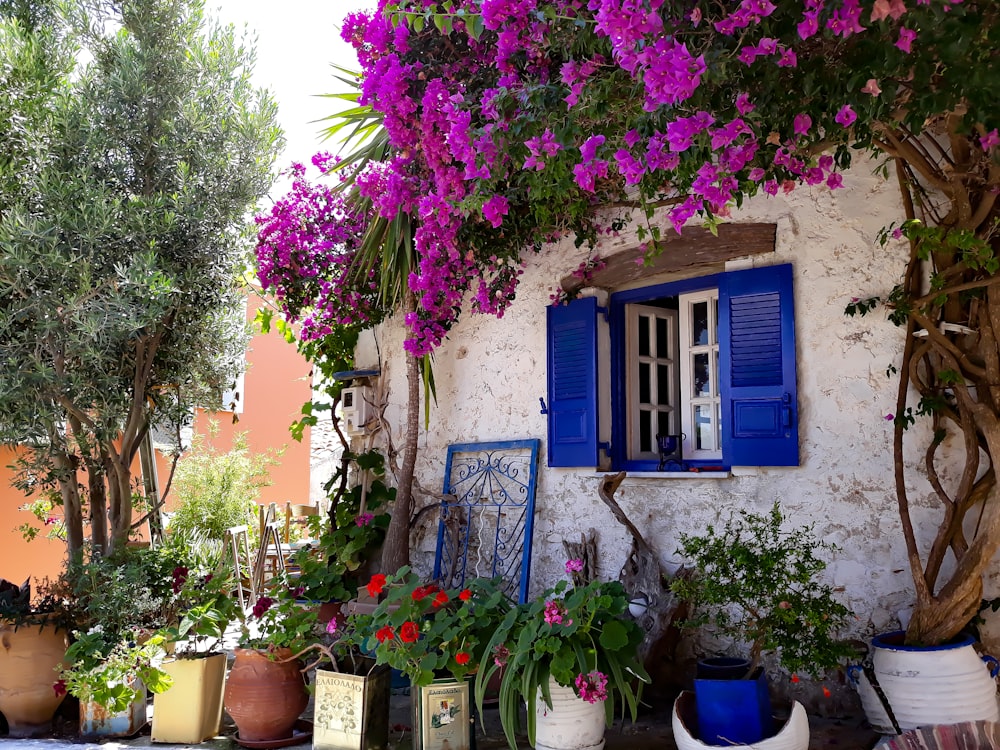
(555, 614)
(479, 134)
(592, 687)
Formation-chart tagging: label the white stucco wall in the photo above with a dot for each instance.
(491, 372)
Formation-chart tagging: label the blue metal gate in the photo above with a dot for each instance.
(485, 531)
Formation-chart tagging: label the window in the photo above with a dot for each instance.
(712, 359)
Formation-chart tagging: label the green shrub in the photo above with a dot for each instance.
(215, 491)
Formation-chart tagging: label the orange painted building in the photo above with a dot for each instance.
(276, 385)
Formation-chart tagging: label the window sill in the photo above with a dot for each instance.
(670, 474)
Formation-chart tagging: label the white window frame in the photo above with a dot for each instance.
(688, 350)
(655, 359)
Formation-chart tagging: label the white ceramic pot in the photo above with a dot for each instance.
(793, 735)
(945, 684)
(571, 724)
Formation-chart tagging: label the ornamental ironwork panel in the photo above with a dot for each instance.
(486, 522)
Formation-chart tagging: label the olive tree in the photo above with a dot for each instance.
(121, 249)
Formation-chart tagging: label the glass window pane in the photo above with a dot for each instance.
(704, 438)
(663, 423)
(699, 323)
(663, 385)
(715, 317)
(645, 386)
(645, 431)
(702, 375)
(643, 336)
(662, 349)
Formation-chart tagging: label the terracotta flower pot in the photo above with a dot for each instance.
(264, 694)
(29, 656)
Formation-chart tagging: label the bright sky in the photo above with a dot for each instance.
(297, 41)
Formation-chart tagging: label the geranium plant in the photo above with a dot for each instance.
(277, 621)
(111, 669)
(426, 631)
(759, 584)
(205, 607)
(580, 636)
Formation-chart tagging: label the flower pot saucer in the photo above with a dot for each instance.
(301, 732)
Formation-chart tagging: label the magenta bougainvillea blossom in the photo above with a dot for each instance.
(513, 122)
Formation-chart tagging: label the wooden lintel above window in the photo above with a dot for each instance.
(696, 247)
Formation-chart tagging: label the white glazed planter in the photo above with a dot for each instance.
(793, 734)
(924, 686)
(571, 724)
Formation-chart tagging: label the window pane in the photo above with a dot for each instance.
(645, 386)
(663, 385)
(645, 432)
(643, 336)
(699, 324)
(662, 349)
(704, 431)
(663, 423)
(702, 375)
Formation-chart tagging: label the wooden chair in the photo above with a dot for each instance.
(270, 562)
(237, 548)
(299, 516)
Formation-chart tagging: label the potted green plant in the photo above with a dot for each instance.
(759, 584)
(266, 689)
(331, 569)
(437, 638)
(190, 710)
(35, 639)
(571, 656)
(110, 673)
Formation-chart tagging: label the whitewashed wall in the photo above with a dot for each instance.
(491, 372)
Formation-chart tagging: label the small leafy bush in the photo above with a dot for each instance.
(215, 491)
(760, 584)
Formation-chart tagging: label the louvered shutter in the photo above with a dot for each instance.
(572, 383)
(757, 368)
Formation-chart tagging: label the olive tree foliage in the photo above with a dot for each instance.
(121, 246)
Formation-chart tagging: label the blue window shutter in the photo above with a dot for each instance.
(572, 375)
(757, 368)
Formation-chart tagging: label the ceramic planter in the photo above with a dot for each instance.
(945, 684)
(97, 721)
(352, 710)
(442, 716)
(792, 735)
(265, 694)
(29, 656)
(571, 724)
(190, 710)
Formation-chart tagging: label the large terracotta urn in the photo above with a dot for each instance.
(265, 694)
(29, 655)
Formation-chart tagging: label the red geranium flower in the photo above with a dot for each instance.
(384, 634)
(59, 688)
(465, 595)
(462, 658)
(409, 632)
(441, 599)
(376, 584)
(420, 592)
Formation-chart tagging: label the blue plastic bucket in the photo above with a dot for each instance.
(734, 711)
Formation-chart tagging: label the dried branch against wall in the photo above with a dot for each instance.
(643, 575)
